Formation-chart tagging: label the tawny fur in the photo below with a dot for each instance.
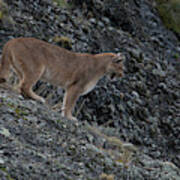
(77, 73)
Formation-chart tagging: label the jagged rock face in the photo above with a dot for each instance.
(144, 105)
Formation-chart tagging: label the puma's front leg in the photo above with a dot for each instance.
(71, 95)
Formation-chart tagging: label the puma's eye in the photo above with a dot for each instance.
(118, 61)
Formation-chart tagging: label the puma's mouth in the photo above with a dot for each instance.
(112, 76)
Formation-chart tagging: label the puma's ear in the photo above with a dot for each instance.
(118, 58)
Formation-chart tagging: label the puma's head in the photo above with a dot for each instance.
(115, 67)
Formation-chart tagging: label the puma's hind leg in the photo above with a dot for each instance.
(4, 67)
(21, 80)
(29, 80)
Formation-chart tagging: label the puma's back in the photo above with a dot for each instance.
(58, 65)
(29, 55)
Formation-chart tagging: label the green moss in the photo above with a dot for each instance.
(7, 175)
(176, 56)
(1, 14)
(11, 105)
(169, 11)
(5, 18)
(62, 3)
(3, 9)
(21, 112)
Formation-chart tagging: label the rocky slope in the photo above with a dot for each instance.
(142, 108)
(37, 143)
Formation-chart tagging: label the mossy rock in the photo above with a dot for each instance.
(169, 11)
(63, 41)
(5, 18)
(62, 3)
(3, 10)
(1, 14)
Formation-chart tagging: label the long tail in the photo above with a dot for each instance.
(4, 68)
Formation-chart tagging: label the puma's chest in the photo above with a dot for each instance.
(89, 87)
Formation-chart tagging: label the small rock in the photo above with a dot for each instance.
(5, 132)
(1, 161)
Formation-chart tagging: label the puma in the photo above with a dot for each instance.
(77, 73)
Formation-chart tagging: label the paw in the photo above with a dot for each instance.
(42, 100)
(73, 118)
(62, 113)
